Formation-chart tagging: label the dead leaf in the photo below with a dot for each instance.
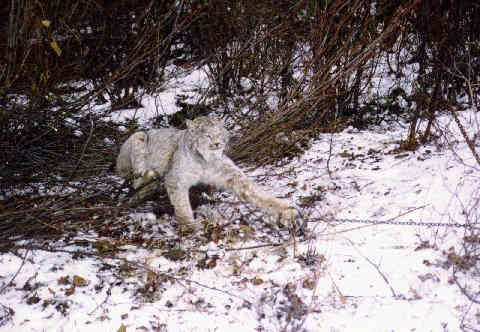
(70, 291)
(33, 300)
(55, 47)
(79, 281)
(257, 281)
(309, 284)
(65, 280)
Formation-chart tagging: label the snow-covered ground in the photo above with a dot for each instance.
(338, 276)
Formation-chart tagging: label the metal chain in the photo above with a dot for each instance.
(405, 223)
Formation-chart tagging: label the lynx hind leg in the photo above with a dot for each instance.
(132, 158)
(145, 187)
(183, 210)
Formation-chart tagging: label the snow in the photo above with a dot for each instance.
(184, 84)
(365, 277)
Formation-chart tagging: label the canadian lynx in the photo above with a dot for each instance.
(184, 158)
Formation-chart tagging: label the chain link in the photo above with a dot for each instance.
(405, 223)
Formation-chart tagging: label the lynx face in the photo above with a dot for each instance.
(210, 136)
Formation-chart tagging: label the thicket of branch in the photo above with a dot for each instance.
(281, 71)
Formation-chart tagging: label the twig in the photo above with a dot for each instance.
(342, 297)
(87, 142)
(211, 288)
(470, 143)
(136, 264)
(109, 293)
(16, 273)
(464, 292)
(7, 315)
(330, 155)
(406, 212)
(376, 268)
(256, 247)
(316, 276)
(149, 269)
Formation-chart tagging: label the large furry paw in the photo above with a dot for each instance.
(292, 218)
(145, 186)
(144, 179)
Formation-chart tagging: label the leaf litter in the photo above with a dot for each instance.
(243, 274)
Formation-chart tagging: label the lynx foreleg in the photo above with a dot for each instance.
(181, 203)
(237, 182)
(248, 191)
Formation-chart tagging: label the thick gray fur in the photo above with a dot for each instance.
(184, 158)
